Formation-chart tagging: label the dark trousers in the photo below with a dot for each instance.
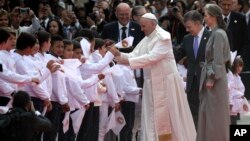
(69, 135)
(4, 100)
(90, 125)
(55, 117)
(128, 111)
(193, 100)
(38, 104)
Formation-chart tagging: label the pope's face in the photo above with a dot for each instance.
(147, 26)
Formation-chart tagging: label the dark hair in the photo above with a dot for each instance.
(78, 39)
(85, 33)
(21, 100)
(76, 44)
(237, 62)
(42, 37)
(98, 43)
(55, 38)
(25, 40)
(193, 15)
(67, 42)
(183, 5)
(5, 35)
(244, 2)
(136, 9)
(60, 27)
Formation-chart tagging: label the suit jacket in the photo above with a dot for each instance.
(194, 68)
(238, 27)
(111, 31)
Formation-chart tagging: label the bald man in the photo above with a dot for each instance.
(123, 28)
(165, 112)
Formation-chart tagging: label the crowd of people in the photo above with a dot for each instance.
(72, 67)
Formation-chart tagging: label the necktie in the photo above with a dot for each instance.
(124, 32)
(43, 24)
(196, 45)
(225, 20)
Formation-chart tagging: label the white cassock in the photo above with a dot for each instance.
(165, 111)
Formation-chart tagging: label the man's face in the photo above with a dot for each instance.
(123, 15)
(226, 6)
(192, 27)
(16, 19)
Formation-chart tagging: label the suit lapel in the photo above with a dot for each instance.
(131, 29)
(203, 42)
(116, 30)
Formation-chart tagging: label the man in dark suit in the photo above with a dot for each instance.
(193, 47)
(236, 23)
(123, 28)
(246, 11)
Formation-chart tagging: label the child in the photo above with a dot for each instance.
(6, 89)
(59, 97)
(24, 65)
(75, 87)
(238, 103)
(89, 131)
(77, 50)
(108, 97)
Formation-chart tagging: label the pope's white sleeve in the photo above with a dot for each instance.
(162, 49)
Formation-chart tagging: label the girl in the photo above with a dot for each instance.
(238, 103)
(55, 27)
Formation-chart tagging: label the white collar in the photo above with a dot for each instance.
(201, 32)
(120, 26)
(228, 16)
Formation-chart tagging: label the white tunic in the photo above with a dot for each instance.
(165, 110)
